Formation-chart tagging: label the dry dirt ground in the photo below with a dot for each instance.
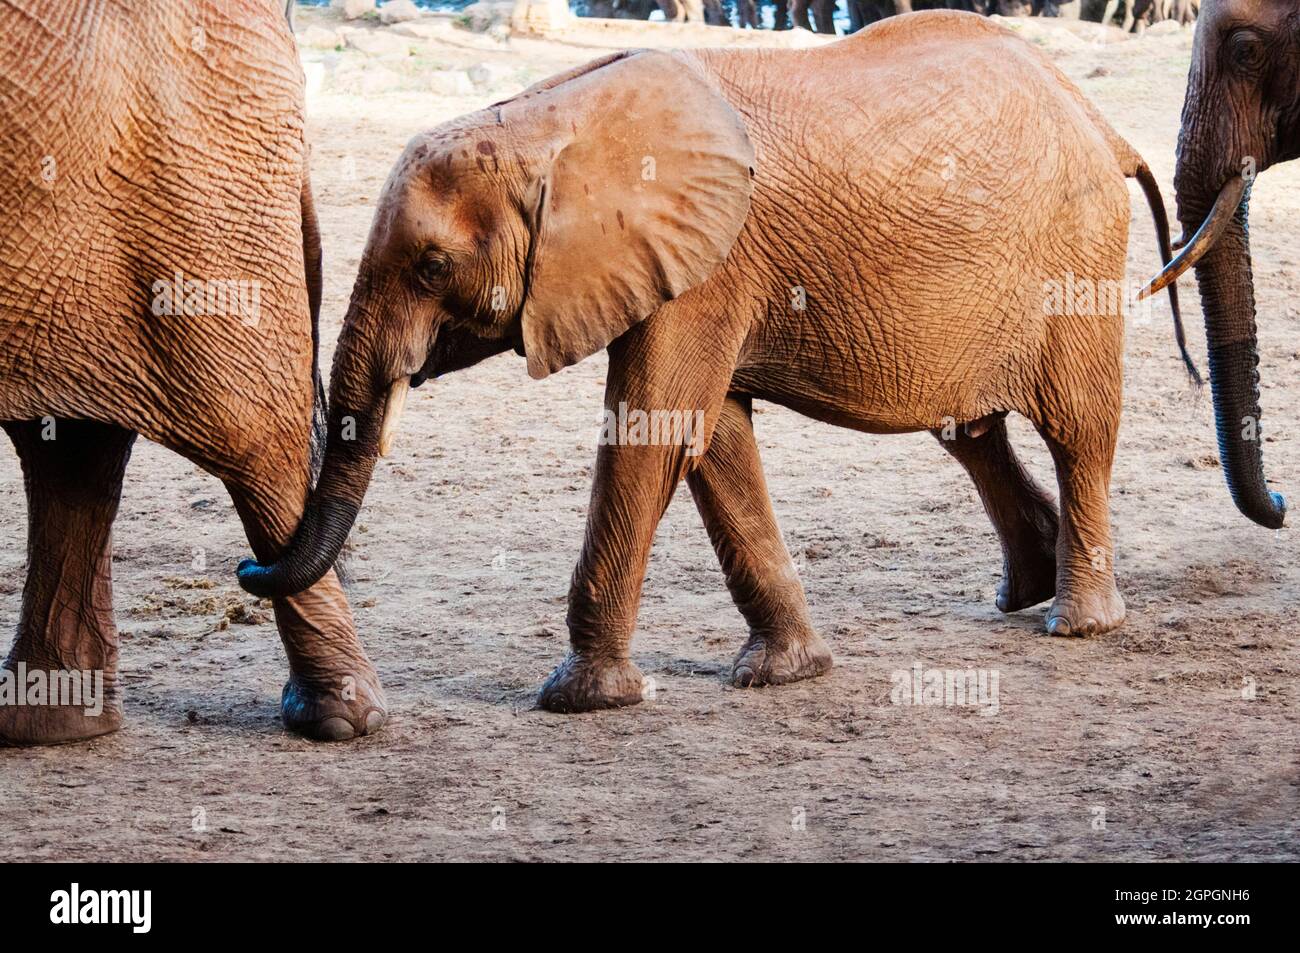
(1136, 745)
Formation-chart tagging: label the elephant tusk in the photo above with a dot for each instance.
(393, 405)
(1225, 207)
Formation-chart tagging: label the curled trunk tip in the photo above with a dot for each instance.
(309, 556)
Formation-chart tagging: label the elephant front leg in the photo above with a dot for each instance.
(66, 646)
(333, 692)
(657, 410)
(632, 487)
(732, 498)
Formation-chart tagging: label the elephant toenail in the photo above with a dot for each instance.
(1058, 625)
(335, 729)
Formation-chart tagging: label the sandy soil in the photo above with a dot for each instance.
(461, 564)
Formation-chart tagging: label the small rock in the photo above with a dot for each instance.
(482, 17)
(451, 82)
(428, 30)
(319, 38)
(353, 9)
(384, 45)
(398, 11)
(1099, 72)
(1164, 28)
(1206, 461)
(245, 615)
(377, 80)
(490, 75)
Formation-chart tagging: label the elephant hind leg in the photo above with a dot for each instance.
(67, 638)
(1022, 512)
(1083, 447)
(732, 498)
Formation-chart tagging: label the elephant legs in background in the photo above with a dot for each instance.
(823, 12)
(333, 692)
(731, 495)
(72, 471)
(824, 15)
(1022, 512)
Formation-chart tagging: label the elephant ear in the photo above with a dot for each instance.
(644, 188)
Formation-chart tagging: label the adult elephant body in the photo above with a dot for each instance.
(1241, 115)
(763, 224)
(159, 275)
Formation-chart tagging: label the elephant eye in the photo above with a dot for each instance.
(1246, 50)
(432, 270)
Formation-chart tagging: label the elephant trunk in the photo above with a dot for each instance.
(361, 428)
(1224, 276)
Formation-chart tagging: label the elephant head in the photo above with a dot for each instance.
(1241, 115)
(549, 223)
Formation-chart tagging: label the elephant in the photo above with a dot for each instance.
(823, 15)
(869, 262)
(865, 12)
(709, 12)
(748, 14)
(1241, 115)
(160, 275)
(1139, 14)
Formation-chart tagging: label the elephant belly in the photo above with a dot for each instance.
(933, 181)
(893, 371)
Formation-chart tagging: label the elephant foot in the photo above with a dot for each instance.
(29, 725)
(352, 707)
(1084, 613)
(1027, 580)
(583, 683)
(763, 662)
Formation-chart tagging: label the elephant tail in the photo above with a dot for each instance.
(1142, 172)
(311, 256)
(1133, 166)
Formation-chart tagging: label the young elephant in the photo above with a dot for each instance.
(159, 275)
(875, 258)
